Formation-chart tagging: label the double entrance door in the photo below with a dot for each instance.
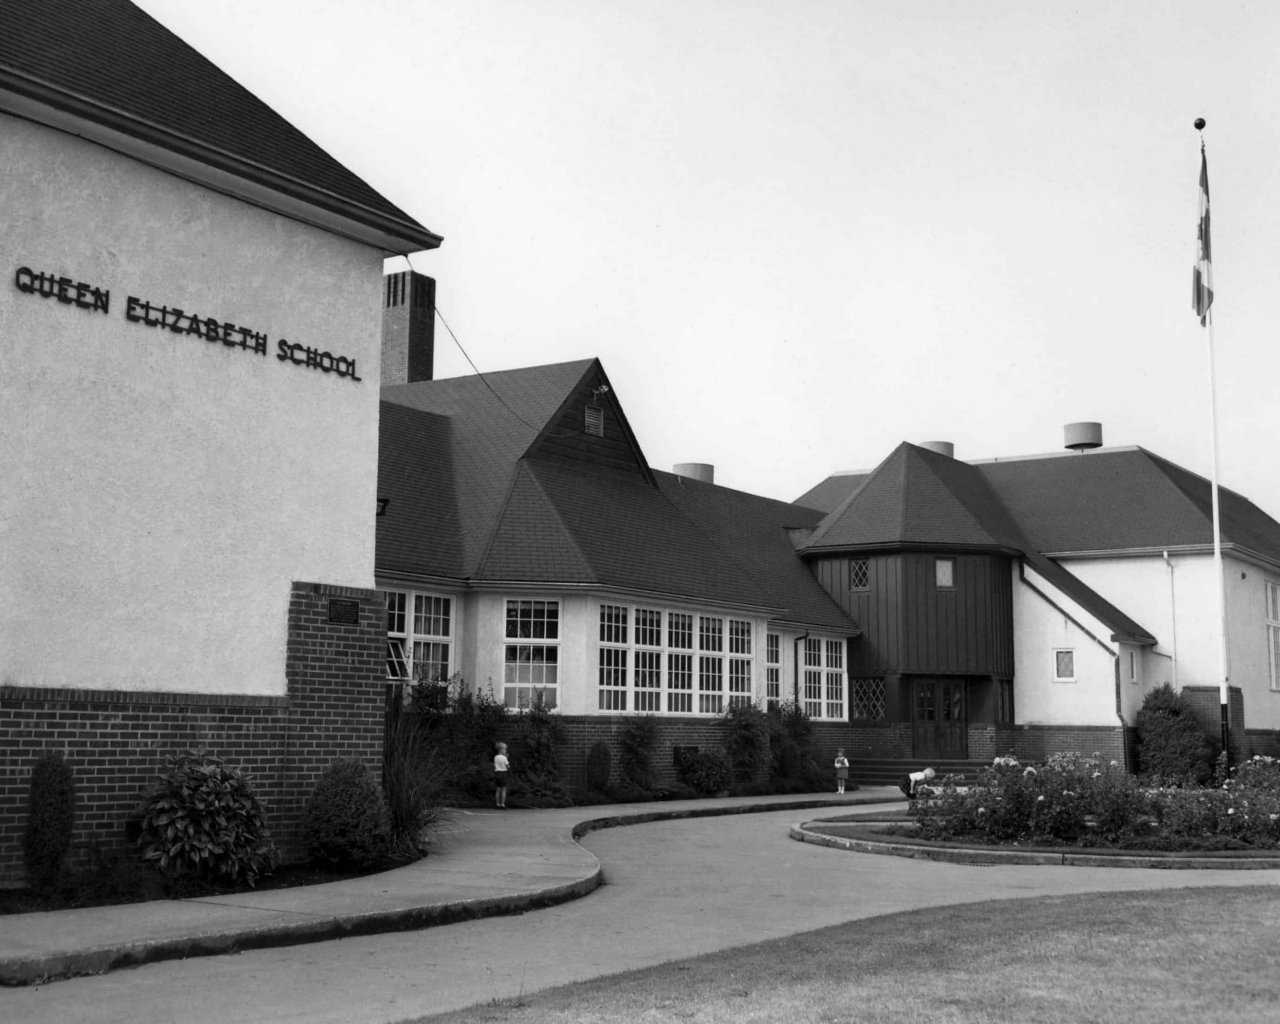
(939, 719)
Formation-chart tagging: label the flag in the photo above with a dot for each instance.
(1202, 275)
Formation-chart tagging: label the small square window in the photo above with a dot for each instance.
(1064, 666)
(944, 573)
(859, 574)
(595, 420)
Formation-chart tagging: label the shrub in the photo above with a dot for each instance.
(637, 740)
(346, 823)
(745, 728)
(413, 782)
(1258, 774)
(791, 748)
(461, 727)
(203, 819)
(538, 737)
(599, 766)
(706, 772)
(46, 843)
(1172, 748)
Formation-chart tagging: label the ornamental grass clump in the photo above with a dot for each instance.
(204, 821)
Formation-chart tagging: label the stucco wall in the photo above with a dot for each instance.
(1039, 627)
(161, 490)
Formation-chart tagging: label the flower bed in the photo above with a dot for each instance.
(1072, 800)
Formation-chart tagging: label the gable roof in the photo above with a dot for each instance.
(108, 71)
(918, 498)
(532, 499)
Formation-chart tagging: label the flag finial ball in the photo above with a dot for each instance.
(1199, 124)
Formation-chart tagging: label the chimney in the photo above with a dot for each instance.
(408, 327)
(703, 471)
(941, 447)
(1082, 436)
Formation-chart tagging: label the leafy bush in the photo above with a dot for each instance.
(413, 781)
(1172, 748)
(745, 728)
(46, 843)
(1258, 774)
(538, 736)
(203, 819)
(599, 766)
(706, 772)
(346, 822)
(792, 764)
(637, 740)
(461, 727)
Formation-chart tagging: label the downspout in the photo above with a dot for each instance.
(795, 665)
(1173, 621)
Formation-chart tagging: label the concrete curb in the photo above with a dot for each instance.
(978, 855)
(56, 966)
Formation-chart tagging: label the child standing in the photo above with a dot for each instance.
(842, 770)
(501, 766)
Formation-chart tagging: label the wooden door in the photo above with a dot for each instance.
(939, 720)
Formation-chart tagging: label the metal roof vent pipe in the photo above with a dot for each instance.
(1080, 437)
(941, 447)
(702, 471)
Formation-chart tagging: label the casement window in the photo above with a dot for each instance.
(1273, 631)
(1064, 665)
(772, 670)
(867, 699)
(944, 573)
(859, 574)
(656, 661)
(531, 658)
(420, 637)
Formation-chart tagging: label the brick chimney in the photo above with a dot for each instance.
(408, 327)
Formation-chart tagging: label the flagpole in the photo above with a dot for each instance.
(1203, 303)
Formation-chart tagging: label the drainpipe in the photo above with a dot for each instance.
(1173, 621)
(795, 675)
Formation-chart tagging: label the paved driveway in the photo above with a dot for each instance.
(673, 889)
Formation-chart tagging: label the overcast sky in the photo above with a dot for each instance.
(798, 233)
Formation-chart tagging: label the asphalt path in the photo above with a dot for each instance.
(672, 889)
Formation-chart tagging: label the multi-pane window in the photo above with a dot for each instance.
(859, 574)
(1064, 665)
(772, 670)
(419, 636)
(531, 661)
(867, 699)
(813, 677)
(1273, 631)
(653, 661)
(834, 674)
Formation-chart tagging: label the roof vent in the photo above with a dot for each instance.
(1081, 437)
(703, 471)
(941, 447)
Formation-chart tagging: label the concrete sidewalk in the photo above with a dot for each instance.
(476, 871)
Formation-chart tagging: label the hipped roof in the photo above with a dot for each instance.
(481, 495)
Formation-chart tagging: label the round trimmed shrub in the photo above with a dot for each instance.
(204, 820)
(346, 822)
(46, 842)
(1172, 747)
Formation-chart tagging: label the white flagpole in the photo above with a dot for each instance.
(1204, 265)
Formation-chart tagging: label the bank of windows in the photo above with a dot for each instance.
(697, 664)
(531, 654)
(824, 678)
(772, 670)
(1273, 631)
(419, 636)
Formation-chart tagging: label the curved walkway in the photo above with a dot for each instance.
(479, 872)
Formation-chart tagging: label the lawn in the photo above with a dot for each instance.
(1160, 957)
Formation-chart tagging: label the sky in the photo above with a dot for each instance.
(797, 234)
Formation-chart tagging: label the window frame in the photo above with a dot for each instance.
(1271, 594)
(543, 638)
(938, 564)
(411, 640)
(1058, 678)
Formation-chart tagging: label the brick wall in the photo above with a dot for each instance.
(116, 741)
(1036, 742)
(1207, 704)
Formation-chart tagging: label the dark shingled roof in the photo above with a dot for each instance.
(110, 63)
(474, 500)
(919, 498)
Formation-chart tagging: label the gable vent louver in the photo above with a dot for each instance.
(595, 420)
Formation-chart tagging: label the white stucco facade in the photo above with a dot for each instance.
(163, 487)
